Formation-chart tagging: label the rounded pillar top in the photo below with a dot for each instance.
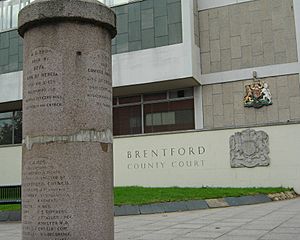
(51, 11)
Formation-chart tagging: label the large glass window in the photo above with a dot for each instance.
(9, 10)
(145, 113)
(115, 2)
(10, 128)
(127, 120)
(169, 116)
(155, 112)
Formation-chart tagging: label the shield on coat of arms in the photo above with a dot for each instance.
(256, 91)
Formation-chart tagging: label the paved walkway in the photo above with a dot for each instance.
(271, 221)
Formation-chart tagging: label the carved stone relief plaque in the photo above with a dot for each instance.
(249, 149)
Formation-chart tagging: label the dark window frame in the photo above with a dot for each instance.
(13, 119)
(143, 103)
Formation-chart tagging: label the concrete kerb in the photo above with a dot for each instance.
(129, 210)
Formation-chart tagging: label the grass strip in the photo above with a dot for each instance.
(10, 207)
(141, 196)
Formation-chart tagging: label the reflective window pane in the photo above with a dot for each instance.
(156, 119)
(181, 93)
(6, 115)
(18, 127)
(1, 14)
(5, 19)
(9, 10)
(127, 120)
(6, 131)
(10, 128)
(114, 2)
(115, 101)
(132, 99)
(169, 116)
(25, 3)
(155, 96)
(15, 11)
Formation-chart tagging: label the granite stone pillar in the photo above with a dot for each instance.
(67, 178)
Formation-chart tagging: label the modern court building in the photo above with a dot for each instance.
(205, 93)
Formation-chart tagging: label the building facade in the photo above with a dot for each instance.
(205, 93)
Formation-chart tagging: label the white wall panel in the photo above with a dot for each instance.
(11, 86)
(209, 169)
(10, 165)
(207, 4)
(162, 63)
(191, 169)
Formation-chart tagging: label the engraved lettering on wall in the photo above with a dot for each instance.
(98, 75)
(43, 80)
(44, 186)
(184, 157)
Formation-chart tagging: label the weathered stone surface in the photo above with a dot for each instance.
(45, 11)
(225, 60)
(152, 208)
(208, 116)
(14, 216)
(175, 206)
(120, 211)
(215, 54)
(218, 105)
(217, 100)
(228, 115)
(10, 216)
(204, 42)
(207, 95)
(247, 200)
(249, 148)
(216, 203)
(196, 205)
(294, 107)
(4, 216)
(133, 210)
(236, 51)
(254, 36)
(261, 198)
(67, 168)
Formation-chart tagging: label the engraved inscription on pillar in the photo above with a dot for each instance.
(43, 80)
(249, 148)
(98, 75)
(44, 187)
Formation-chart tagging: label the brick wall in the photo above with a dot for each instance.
(251, 34)
(223, 103)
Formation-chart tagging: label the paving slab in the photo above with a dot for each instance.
(217, 203)
(168, 207)
(247, 200)
(152, 208)
(269, 221)
(197, 204)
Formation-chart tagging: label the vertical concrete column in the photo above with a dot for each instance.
(67, 178)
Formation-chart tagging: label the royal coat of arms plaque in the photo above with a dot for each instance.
(249, 149)
(257, 95)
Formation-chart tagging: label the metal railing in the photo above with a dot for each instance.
(10, 193)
